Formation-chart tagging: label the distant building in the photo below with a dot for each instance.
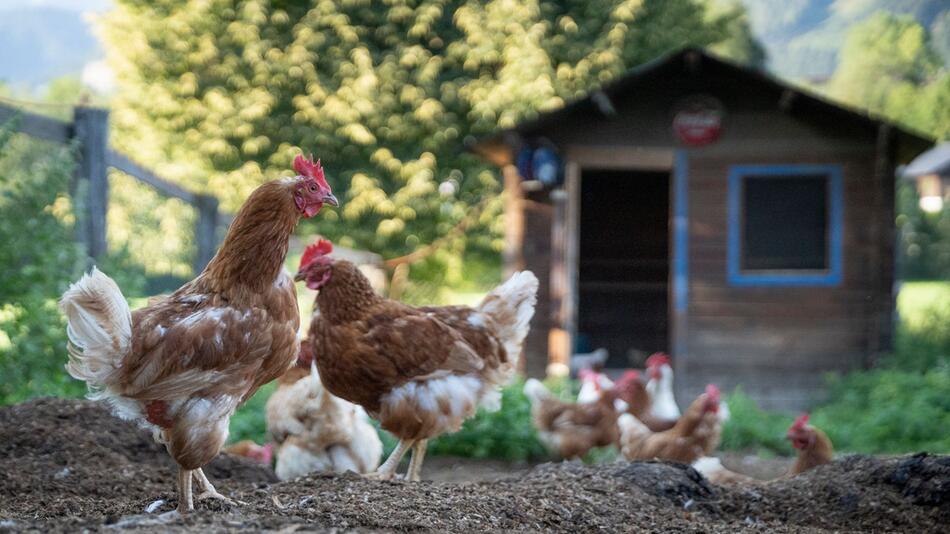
(711, 211)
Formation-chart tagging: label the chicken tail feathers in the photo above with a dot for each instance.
(99, 328)
(511, 306)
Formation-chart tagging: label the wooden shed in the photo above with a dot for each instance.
(708, 210)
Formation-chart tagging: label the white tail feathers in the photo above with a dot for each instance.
(511, 306)
(99, 329)
(535, 391)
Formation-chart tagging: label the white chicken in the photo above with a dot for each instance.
(660, 388)
(593, 385)
(316, 431)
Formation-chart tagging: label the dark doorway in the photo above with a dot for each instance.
(623, 275)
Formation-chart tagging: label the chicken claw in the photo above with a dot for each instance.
(208, 491)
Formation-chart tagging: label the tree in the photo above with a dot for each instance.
(220, 95)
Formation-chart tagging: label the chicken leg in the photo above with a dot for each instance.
(208, 491)
(185, 502)
(415, 464)
(388, 469)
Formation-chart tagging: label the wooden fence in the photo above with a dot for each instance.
(90, 188)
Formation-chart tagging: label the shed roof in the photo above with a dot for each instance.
(496, 147)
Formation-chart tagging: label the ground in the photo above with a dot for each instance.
(68, 465)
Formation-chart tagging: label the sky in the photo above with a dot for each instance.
(95, 6)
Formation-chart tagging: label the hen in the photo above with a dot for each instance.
(663, 405)
(420, 372)
(571, 429)
(593, 383)
(181, 365)
(316, 431)
(694, 435)
(814, 449)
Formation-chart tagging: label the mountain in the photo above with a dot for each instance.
(803, 37)
(42, 43)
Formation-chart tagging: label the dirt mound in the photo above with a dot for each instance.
(69, 465)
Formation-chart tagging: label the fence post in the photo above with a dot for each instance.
(205, 230)
(92, 133)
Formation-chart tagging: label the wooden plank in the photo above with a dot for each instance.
(513, 255)
(92, 133)
(121, 162)
(623, 157)
(36, 125)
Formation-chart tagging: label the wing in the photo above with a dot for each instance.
(419, 345)
(194, 344)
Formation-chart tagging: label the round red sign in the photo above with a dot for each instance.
(698, 121)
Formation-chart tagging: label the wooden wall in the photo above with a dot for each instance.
(777, 342)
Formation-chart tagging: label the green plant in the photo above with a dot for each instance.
(751, 428)
(250, 422)
(40, 258)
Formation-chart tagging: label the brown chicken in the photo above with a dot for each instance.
(639, 403)
(814, 447)
(181, 365)
(420, 371)
(571, 429)
(694, 435)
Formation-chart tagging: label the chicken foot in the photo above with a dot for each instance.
(208, 491)
(388, 469)
(415, 464)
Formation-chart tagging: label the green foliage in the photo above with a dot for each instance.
(40, 258)
(750, 428)
(250, 422)
(220, 95)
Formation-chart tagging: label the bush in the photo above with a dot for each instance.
(40, 258)
(750, 428)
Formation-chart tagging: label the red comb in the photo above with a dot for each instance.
(713, 392)
(307, 167)
(587, 374)
(801, 421)
(321, 248)
(657, 359)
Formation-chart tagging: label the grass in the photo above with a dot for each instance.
(916, 298)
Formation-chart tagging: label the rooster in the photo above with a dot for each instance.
(571, 429)
(181, 365)
(694, 435)
(315, 430)
(420, 372)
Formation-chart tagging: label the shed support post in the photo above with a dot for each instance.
(205, 231)
(513, 256)
(92, 182)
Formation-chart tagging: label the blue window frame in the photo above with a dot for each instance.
(785, 225)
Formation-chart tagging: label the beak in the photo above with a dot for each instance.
(299, 276)
(331, 200)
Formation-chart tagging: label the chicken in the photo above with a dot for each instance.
(262, 454)
(593, 383)
(420, 372)
(181, 365)
(316, 431)
(571, 429)
(694, 435)
(814, 447)
(663, 406)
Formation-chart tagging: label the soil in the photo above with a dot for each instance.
(68, 465)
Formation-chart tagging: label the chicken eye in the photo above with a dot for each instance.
(312, 188)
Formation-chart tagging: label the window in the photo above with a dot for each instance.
(785, 225)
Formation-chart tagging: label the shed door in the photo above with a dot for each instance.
(623, 274)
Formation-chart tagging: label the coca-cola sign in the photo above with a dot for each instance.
(698, 120)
